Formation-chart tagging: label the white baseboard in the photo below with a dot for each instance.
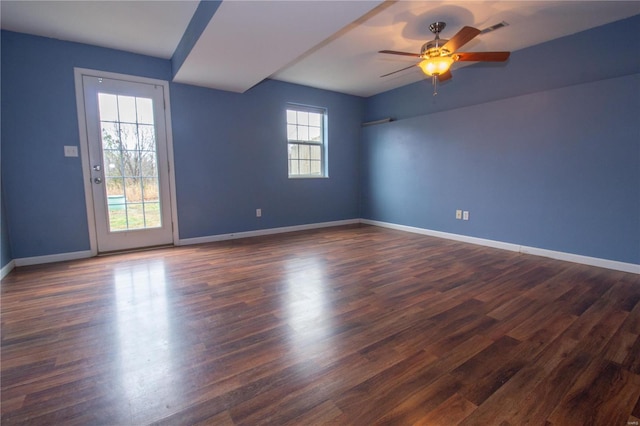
(569, 257)
(7, 268)
(37, 260)
(260, 232)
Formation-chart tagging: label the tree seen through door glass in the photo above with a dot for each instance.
(130, 162)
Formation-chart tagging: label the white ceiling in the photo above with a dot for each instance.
(151, 28)
(325, 44)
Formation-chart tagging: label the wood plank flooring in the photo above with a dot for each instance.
(353, 325)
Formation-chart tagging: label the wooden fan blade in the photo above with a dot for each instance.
(446, 76)
(395, 52)
(393, 72)
(464, 36)
(482, 56)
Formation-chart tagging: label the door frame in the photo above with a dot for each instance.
(84, 146)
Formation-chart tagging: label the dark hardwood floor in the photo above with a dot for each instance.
(351, 325)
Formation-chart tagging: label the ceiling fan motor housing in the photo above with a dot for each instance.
(433, 48)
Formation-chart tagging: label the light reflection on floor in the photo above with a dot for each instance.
(146, 363)
(307, 308)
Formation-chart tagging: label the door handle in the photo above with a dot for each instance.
(97, 180)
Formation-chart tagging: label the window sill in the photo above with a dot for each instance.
(308, 177)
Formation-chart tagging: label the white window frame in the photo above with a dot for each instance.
(324, 169)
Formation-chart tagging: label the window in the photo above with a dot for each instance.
(306, 137)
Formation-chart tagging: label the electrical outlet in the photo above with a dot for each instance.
(458, 214)
(465, 215)
(258, 212)
(70, 151)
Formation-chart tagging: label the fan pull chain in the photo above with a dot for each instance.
(434, 81)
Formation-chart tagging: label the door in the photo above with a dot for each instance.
(127, 147)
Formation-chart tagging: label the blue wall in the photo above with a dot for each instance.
(231, 158)
(43, 190)
(5, 243)
(540, 157)
(555, 165)
(230, 150)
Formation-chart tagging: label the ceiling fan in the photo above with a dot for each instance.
(439, 54)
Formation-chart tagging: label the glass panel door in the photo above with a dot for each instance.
(127, 148)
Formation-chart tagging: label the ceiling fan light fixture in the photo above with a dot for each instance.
(436, 65)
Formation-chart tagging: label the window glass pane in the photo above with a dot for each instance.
(145, 110)
(304, 152)
(315, 167)
(293, 151)
(304, 167)
(108, 106)
(315, 119)
(303, 133)
(291, 117)
(314, 134)
(293, 167)
(292, 132)
(303, 117)
(316, 152)
(127, 108)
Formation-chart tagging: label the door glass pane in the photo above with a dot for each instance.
(110, 135)
(130, 162)
(145, 111)
(152, 214)
(108, 107)
(113, 164)
(127, 109)
(129, 136)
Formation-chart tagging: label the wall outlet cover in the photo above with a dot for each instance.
(70, 151)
